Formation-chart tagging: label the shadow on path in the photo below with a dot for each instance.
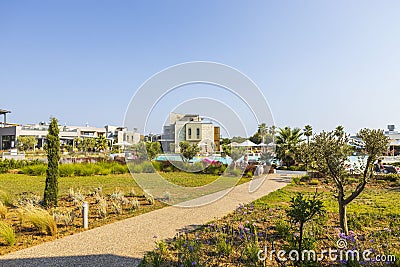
(87, 261)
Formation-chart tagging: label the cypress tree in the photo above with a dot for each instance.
(53, 157)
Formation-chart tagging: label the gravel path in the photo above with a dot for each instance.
(123, 243)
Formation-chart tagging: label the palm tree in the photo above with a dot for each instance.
(263, 130)
(287, 141)
(101, 143)
(307, 131)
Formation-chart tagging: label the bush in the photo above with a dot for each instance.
(249, 174)
(119, 168)
(102, 208)
(135, 168)
(11, 164)
(282, 228)
(149, 198)
(35, 170)
(66, 170)
(235, 172)
(157, 165)
(296, 180)
(388, 177)
(305, 178)
(147, 167)
(135, 204)
(7, 233)
(65, 217)
(41, 219)
(314, 182)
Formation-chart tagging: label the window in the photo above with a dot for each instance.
(198, 133)
(190, 133)
(8, 141)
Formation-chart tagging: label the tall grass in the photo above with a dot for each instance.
(6, 198)
(3, 210)
(41, 219)
(7, 233)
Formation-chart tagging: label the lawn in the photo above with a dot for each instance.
(195, 180)
(18, 183)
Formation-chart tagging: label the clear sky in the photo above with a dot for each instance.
(322, 63)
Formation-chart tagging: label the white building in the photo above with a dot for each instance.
(190, 128)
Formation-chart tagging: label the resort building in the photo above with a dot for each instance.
(9, 134)
(193, 129)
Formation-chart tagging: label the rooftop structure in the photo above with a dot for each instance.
(4, 113)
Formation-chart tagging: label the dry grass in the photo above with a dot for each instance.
(41, 219)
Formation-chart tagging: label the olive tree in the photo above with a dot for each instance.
(330, 151)
(188, 151)
(26, 143)
(153, 149)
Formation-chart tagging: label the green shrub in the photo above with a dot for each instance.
(103, 170)
(305, 178)
(11, 164)
(223, 247)
(388, 177)
(249, 175)
(282, 228)
(147, 167)
(66, 170)
(119, 169)
(235, 172)
(157, 165)
(135, 168)
(314, 182)
(7, 233)
(296, 180)
(35, 170)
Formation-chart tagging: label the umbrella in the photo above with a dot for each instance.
(124, 143)
(247, 143)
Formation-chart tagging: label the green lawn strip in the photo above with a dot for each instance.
(18, 183)
(195, 180)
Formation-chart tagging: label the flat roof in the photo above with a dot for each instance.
(3, 111)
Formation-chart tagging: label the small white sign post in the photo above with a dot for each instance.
(85, 214)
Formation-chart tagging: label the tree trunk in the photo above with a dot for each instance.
(343, 216)
(301, 238)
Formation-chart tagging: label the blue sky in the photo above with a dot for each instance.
(322, 63)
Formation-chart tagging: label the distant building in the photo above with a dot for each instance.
(190, 128)
(10, 133)
(392, 134)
